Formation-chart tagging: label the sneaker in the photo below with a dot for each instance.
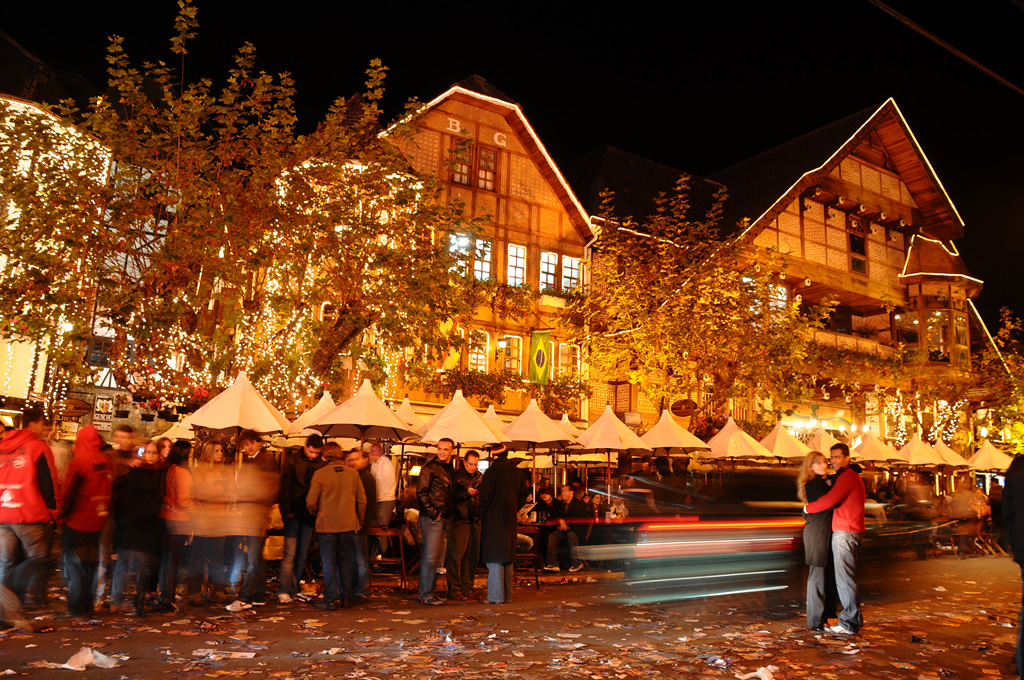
(432, 600)
(840, 629)
(442, 570)
(328, 606)
(551, 567)
(576, 568)
(284, 598)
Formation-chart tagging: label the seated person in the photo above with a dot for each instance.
(618, 510)
(567, 509)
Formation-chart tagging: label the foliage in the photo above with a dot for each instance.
(222, 233)
(998, 370)
(560, 395)
(505, 301)
(677, 305)
(488, 388)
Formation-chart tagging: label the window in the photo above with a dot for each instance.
(510, 351)
(568, 360)
(961, 337)
(938, 335)
(516, 265)
(462, 164)
(478, 341)
(858, 255)
(570, 273)
(906, 324)
(99, 351)
(487, 169)
(458, 245)
(548, 270)
(482, 262)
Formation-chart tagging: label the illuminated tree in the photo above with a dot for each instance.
(677, 308)
(224, 240)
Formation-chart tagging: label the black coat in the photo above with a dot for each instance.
(434, 489)
(500, 491)
(1013, 508)
(138, 497)
(818, 527)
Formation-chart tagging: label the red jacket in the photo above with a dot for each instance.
(88, 484)
(847, 497)
(28, 490)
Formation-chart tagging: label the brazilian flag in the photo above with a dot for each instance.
(540, 359)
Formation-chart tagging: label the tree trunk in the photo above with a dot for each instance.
(331, 344)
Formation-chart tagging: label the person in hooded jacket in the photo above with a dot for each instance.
(139, 536)
(84, 508)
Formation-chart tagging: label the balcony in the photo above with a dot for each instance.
(852, 343)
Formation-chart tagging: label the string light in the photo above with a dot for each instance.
(947, 421)
(894, 412)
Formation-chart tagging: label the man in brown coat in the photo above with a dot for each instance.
(337, 498)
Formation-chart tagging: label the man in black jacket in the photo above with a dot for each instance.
(435, 494)
(298, 523)
(1013, 520)
(567, 509)
(464, 531)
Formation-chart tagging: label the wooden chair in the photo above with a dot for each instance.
(533, 558)
(394, 538)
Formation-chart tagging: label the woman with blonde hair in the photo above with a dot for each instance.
(812, 484)
(212, 489)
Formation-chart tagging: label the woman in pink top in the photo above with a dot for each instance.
(177, 515)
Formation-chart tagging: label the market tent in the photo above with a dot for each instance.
(917, 452)
(240, 406)
(361, 417)
(784, 445)
(732, 442)
(461, 423)
(822, 441)
(668, 434)
(872, 448)
(988, 457)
(322, 407)
(406, 413)
(950, 456)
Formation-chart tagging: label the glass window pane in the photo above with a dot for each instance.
(482, 261)
(516, 265)
(548, 267)
(907, 331)
(570, 272)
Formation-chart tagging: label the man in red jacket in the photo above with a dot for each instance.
(847, 497)
(28, 506)
(84, 508)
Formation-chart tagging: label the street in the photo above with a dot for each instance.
(944, 617)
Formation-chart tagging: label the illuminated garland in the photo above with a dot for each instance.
(947, 421)
(894, 414)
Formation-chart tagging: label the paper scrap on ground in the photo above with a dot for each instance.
(87, 656)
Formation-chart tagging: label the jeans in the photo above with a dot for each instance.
(434, 531)
(135, 562)
(106, 547)
(33, 541)
(80, 552)
(170, 565)
(336, 553)
(574, 547)
(385, 512)
(208, 552)
(499, 582)
(463, 556)
(361, 564)
(845, 548)
(297, 537)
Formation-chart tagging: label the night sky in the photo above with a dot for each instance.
(699, 89)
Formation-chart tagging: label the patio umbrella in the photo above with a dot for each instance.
(406, 413)
(362, 416)
(493, 419)
(822, 441)
(918, 452)
(240, 406)
(732, 442)
(988, 457)
(668, 434)
(322, 407)
(182, 430)
(461, 423)
(567, 425)
(950, 456)
(873, 448)
(608, 433)
(784, 445)
(532, 428)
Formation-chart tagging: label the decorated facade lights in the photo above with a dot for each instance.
(894, 413)
(947, 420)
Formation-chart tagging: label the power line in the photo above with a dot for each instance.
(943, 44)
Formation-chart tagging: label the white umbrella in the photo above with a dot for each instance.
(822, 441)
(608, 433)
(182, 430)
(784, 445)
(240, 405)
(988, 457)
(406, 413)
(362, 416)
(461, 423)
(543, 462)
(668, 434)
(873, 448)
(493, 419)
(569, 428)
(320, 408)
(948, 455)
(732, 442)
(532, 428)
(918, 452)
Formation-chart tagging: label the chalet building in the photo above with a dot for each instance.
(479, 143)
(862, 218)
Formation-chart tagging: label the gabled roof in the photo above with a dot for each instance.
(516, 119)
(930, 258)
(26, 77)
(636, 181)
(764, 185)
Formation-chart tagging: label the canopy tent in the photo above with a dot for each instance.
(784, 445)
(668, 434)
(406, 413)
(569, 428)
(988, 457)
(320, 408)
(240, 406)
(917, 452)
(822, 441)
(361, 417)
(872, 448)
(950, 456)
(461, 423)
(732, 442)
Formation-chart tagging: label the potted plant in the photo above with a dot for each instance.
(121, 402)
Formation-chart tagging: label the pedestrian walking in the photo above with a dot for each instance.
(501, 489)
(299, 525)
(176, 512)
(139, 534)
(358, 461)
(257, 486)
(212, 482)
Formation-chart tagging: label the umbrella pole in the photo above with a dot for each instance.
(533, 471)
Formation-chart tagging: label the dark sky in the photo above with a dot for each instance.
(700, 88)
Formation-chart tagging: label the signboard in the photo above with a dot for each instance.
(103, 412)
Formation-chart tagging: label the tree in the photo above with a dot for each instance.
(676, 306)
(224, 240)
(997, 370)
